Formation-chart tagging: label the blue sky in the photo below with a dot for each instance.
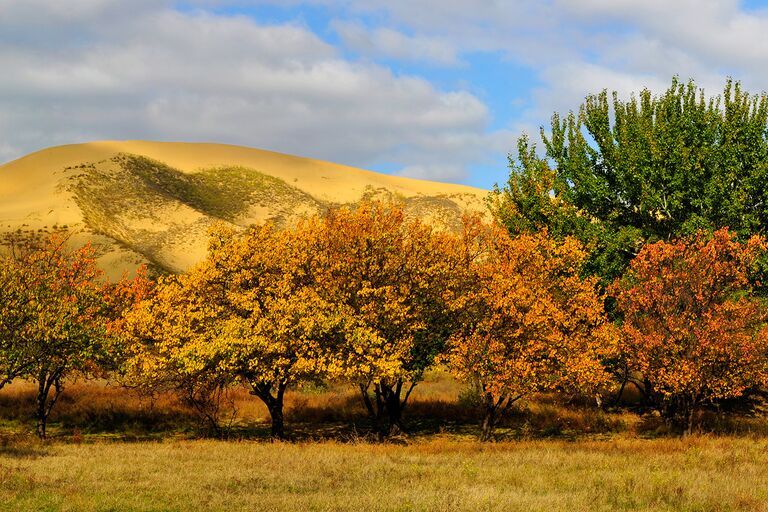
(435, 89)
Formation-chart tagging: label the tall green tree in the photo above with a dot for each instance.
(617, 173)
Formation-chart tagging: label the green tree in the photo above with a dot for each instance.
(618, 173)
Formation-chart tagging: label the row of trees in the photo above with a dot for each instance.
(369, 297)
(608, 263)
(668, 194)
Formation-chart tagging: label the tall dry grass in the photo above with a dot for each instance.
(439, 405)
(695, 474)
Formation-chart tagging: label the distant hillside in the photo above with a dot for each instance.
(153, 202)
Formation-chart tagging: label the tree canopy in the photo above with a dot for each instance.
(531, 322)
(692, 326)
(619, 172)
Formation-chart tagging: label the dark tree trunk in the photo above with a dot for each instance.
(489, 418)
(274, 403)
(387, 413)
(493, 410)
(689, 416)
(373, 413)
(44, 402)
(679, 412)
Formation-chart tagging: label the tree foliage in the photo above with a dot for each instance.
(357, 295)
(250, 313)
(691, 324)
(531, 322)
(56, 315)
(393, 276)
(617, 173)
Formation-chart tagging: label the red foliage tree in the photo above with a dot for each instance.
(692, 325)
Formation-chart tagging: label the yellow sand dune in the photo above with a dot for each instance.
(142, 201)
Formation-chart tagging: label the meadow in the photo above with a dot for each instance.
(111, 449)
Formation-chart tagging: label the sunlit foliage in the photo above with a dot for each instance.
(531, 322)
(691, 326)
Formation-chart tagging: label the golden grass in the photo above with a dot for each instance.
(707, 474)
(114, 450)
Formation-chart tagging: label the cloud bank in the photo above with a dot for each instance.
(366, 88)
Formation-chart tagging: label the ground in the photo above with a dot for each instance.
(112, 450)
(437, 474)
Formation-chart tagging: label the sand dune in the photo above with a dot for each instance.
(152, 202)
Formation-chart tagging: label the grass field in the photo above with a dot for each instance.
(111, 450)
(439, 474)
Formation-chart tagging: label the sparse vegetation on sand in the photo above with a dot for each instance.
(152, 202)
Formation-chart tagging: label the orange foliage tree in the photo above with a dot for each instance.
(530, 321)
(692, 326)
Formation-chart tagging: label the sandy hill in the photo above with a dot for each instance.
(152, 202)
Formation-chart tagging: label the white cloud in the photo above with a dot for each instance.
(604, 42)
(168, 75)
(386, 42)
(117, 69)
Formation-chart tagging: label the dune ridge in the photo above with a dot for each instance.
(153, 202)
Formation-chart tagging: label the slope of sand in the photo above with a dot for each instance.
(36, 193)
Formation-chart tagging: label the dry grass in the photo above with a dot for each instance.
(98, 410)
(114, 450)
(706, 474)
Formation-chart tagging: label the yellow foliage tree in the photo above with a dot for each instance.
(390, 275)
(251, 312)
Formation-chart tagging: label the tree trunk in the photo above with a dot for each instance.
(274, 405)
(390, 402)
(493, 409)
(617, 399)
(489, 418)
(679, 412)
(394, 404)
(277, 430)
(394, 409)
(367, 400)
(44, 402)
(689, 416)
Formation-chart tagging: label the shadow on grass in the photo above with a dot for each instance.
(96, 412)
(21, 446)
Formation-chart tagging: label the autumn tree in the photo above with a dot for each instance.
(530, 321)
(692, 326)
(56, 313)
(391, 276)
(16, 355)
(163, 335)
(250, 312)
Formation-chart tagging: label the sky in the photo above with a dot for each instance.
(432, 89)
